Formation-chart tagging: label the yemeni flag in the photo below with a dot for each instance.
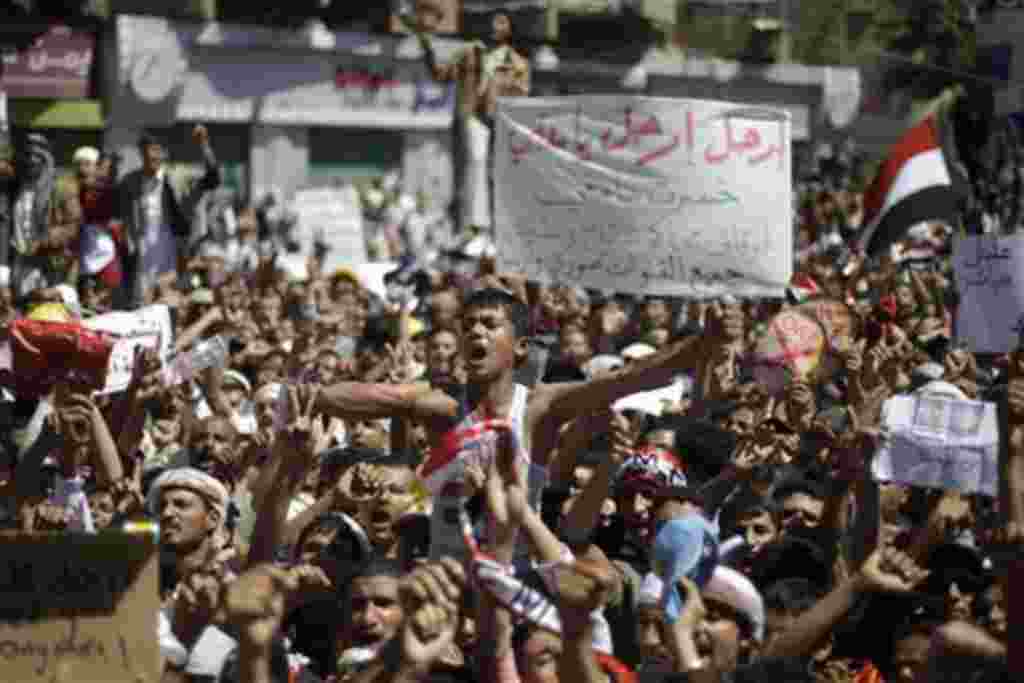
(912, 186)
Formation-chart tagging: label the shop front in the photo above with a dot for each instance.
(50, 90)
(285, 111)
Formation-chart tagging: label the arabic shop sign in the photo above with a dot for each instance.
(383, 89)
(56, 66)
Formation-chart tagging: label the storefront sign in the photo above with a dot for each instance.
(366, 89)
(57, 66)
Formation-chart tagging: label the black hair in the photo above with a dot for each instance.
(346, 456)
(745, 505)
(380, 566)
(329, 522)
(147, 139)
(799, 485)
(793, 595)
(517, 311)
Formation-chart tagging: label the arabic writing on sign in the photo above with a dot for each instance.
(990, 313)
(645, 139)
(366, 89)
(985, 267)
(585, 137)
(72, 61)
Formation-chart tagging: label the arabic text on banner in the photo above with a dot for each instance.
(938, 442)
(142, 322)
(122, 361)
(990, 279)
(645, 195)
(335, 215)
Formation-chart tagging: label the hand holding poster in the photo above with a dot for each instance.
(939, 442)
(990, 316)
(645, 195)
(791, 349)
(142, 322)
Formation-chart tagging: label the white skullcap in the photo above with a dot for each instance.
(638, 351)
(191, 479)
(942, 389)
(5, 276)
(294, 269)
(731, 588)
(86, 154)
(601, 364)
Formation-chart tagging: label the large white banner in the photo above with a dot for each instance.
(645, 195)
(990, 279)
(938, 442)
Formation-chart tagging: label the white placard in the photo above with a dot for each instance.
(938, 442)
(122, 362)
(645, 195)
(336, 214)
(990, 279)
(142, 322)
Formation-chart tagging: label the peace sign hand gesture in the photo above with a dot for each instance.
(305, 434)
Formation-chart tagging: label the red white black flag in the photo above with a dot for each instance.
(912, 186)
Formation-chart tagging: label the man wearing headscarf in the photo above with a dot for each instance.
(42, 225)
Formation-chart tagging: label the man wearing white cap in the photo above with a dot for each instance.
(191, 507)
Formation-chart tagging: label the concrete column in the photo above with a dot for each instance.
(427, 165)
(279, 159)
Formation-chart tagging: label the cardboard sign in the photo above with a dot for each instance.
(122, 362)
(939, 442)
(988, 271)
(645, 195)
(79, 607)
(791, 348)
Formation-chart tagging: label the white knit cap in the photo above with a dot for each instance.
(86, 154)
(191, 479)
(730, 587)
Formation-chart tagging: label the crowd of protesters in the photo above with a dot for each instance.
(436, 485)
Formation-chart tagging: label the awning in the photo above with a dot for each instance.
(74, 114)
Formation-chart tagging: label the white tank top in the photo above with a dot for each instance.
(445, 528)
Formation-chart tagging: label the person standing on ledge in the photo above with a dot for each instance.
(481, 76)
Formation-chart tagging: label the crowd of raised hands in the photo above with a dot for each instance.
(299, 541)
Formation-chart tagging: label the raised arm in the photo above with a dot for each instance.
(441, 72)
(359, 400)
(565, 401)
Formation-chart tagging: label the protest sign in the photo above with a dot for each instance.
(988, 269)
(645, 195)
(792, 347)
(142, 322)
(939, 442)
(79, 607)
(333, 216)
(207, 354)
(122, 361)
(836, 318)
